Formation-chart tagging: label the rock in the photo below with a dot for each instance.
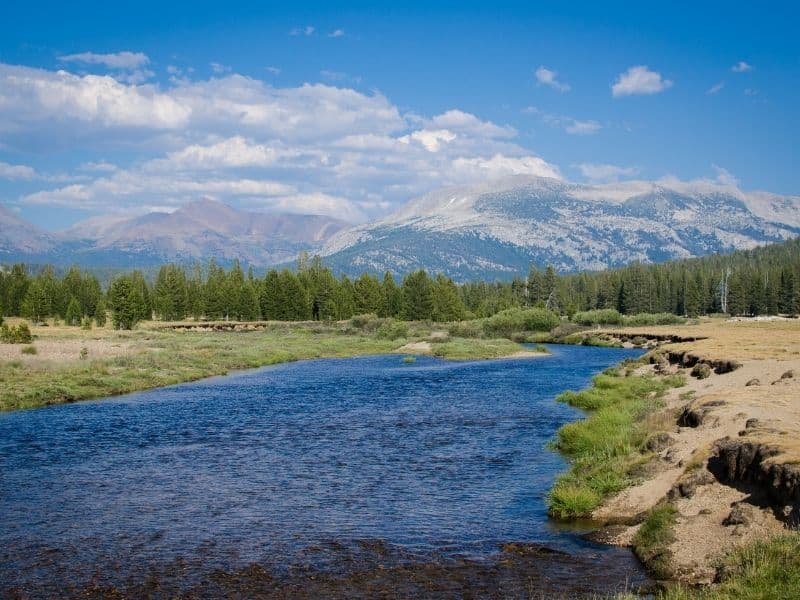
(788, 374)
(753, 381)
(688, 484)
(694, 416)
(741, 514)
(752, 423)
(658, 442)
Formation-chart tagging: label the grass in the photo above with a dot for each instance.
(767, 569)
(605, 447)
(150, 357)
(652, 540)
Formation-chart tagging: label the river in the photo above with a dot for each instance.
(343, 477)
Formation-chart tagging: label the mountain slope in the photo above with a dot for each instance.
(17, 236)
(196, 231)
(497, 229)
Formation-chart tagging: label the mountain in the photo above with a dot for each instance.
(196, 231)
(18, 236)
(497, 229)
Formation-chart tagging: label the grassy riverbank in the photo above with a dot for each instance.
(605, 448)
(69, 364)
(704, 477)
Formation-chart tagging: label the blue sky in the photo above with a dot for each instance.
(351, 110)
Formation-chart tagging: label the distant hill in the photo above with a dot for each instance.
(196, 231)
(497, 229)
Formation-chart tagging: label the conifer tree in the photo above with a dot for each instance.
(73, 314)
(418, 302)
(368, 294)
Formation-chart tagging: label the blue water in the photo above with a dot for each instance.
(432, 457)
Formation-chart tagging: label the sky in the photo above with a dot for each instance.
(352, 109)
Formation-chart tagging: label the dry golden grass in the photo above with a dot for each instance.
(733, 340)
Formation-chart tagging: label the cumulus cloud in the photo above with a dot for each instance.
(741, 67)
(639, 80)
(14, 172)
(550, 78)
(308, 148)
(117, 60)
(583, 127)
(597, 173)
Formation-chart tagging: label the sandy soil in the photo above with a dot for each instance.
(727, 406)
(416, 348)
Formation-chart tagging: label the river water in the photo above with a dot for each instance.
(352, 478)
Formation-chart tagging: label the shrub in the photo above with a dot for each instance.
(465, 329)
(367, 322)
(21, 334)
(701, 371)
(513, 320)
(84, 353)
(29, 349)
(392, 330)
(646, 319)
(601, 316)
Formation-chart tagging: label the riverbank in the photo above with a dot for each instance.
(67, 364)
(711, 468)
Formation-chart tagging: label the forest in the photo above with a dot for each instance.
(764, 280)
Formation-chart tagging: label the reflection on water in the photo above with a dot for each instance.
(302, 475)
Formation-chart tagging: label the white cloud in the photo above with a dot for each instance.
(502, 166)
(307, 30)
(741, 67)
(725, 177)
(13, 172)
(583, 127)
(639, 80)
(715, 88)
(460, 121)
(605, 172)
(118, 60)
(310, 148)
(550, 78)
(273, 70)
(336, 33)
(431, 140)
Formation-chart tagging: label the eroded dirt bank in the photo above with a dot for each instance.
(728, 458)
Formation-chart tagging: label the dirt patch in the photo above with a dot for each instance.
(416, 348)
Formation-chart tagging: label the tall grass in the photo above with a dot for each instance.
(605, 447)
(767, 569)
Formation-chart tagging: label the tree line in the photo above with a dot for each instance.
(764, 280)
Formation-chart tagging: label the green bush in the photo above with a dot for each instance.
(601, 316)
(21, 334)
(647, 319)
(391, 329)
(465, 329)
(29, 349)
(367, 322)
(513, 320)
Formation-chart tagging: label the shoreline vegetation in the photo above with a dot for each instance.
(63, 364)
(690, 456)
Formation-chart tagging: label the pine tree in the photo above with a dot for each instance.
(127, 303)
(418, 302)
(73, 315)
(344, 298)
(368, 294)
(392, 297)
(447, 304)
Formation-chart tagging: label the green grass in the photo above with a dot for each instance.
(605, 447)
(468, 349)
(764, 570)
(652, 540)
(163, 357)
